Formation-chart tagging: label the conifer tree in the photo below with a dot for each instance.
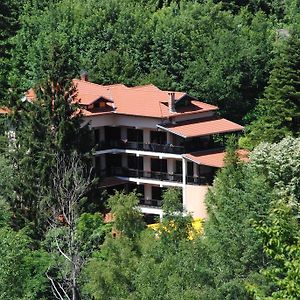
(278, 112)
(9, 13)
(48, 125)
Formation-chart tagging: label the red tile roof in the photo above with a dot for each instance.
(147, 100)
(214, 158)
(202, 127)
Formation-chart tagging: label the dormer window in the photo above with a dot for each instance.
(100, 104)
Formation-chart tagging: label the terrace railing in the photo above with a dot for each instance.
(151, 202)
(161, 176)
(153, 147)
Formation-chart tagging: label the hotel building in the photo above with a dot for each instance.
(148, 139)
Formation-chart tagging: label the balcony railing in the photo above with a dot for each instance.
(161, 176)
(151, 203)
(153, 147)
(198, 180)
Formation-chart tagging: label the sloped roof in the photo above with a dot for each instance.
(147, 100)
(201, 127)
(214, 158)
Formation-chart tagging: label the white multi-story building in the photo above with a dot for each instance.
(148, 139)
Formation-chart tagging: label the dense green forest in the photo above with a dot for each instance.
(242, 56)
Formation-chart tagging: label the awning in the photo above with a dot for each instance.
(214, 158)
(207, 158)
(201, 127)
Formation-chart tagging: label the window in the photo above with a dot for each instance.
(135, 135)
(135, 162)
(158, 165)
(178, 167)
(157, 193)
(96, 136)
(112, 133)
(190, 169)
(158, 137)
(98, 165)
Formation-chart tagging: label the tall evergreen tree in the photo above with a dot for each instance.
(9, 24)
(45, 126)
(278, 112)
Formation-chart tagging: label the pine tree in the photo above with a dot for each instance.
(48, 126)
(278, 112)
(9, 13)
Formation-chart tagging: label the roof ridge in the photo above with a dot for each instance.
(89, 82)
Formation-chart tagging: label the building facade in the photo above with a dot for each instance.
(147, 139)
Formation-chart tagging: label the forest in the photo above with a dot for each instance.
(242, 56)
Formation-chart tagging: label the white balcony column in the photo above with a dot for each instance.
(147, 163)
(123, 133)
(171, 165)
(147, 192)
(161, 216)
(184, 171)
(169, 138)
(146, 135)
(195, 170)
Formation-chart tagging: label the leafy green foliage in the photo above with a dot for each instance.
(127, 217)
(22, 271)
(234, 247)
(148, 265)
(280, 229)
(215, 55)
(280, 233)
(90, 232)
(44, 128)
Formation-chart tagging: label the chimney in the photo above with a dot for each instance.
(171, 102)
(84, 76)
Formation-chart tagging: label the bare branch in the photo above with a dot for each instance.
(60, 286)
(61, 252)
(54, 287)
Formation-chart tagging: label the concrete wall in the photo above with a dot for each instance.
(195, 200)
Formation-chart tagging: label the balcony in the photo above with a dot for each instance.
(161, 176)
(152, 147)
(191, 146)
(151, 203)
(199, 180)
